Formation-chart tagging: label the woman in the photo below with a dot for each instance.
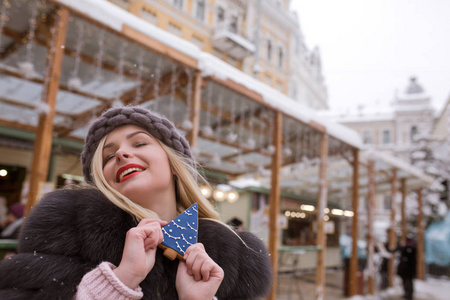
(101, 242)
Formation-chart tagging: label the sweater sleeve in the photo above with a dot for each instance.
(102, 283)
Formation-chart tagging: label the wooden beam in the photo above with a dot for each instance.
(19, 40)
(43, 142)
(392, 234)
(194, 115)
(274, 201)
(317, 126)
(403, 211)
(420, 238)
(321, 204)
(241, 89)
(355, 205)
(17, 125)
(159, 47)
(370, 230)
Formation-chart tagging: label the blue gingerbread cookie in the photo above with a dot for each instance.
(180, 233)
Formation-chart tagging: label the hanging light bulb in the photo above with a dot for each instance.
(232, 196)
(206, 191)
(42, 108)
(187, 124)
(26, 68)
(74, 83)
(271, 149)
(251, 143)
(207, 131)
(287, 151)
(231, 137)
(219, 195)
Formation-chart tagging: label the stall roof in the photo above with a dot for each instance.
(386, 162)
(116, 18)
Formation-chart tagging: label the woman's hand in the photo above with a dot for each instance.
(139, 252)
(199, 277)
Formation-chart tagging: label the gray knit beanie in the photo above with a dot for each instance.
(158, 126)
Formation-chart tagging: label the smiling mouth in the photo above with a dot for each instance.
(128, 171)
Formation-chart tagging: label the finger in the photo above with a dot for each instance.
(144, 222)
(190, 260)
(154, 237)
(197, 266)
(150, 235)
(195, 247)
(207, 267)
(217, 272)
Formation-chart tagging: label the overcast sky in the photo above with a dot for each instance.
(370, 48)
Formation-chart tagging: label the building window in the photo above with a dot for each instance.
(233, 24)
(387, 202)
(413, 133)
(367, 137)
(200, 10)
(294, 92)
(280, 58)
(220, 14)
(178, 4)
(297, 45)
(269, 50)
(174, 28)
(149, 15)
(386, 137)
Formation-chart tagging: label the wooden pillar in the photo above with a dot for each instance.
(321, 204)
(370, 221)
(194, 116)
(403, 211)
(392, 234)
(420, 240)
(43, 141)
(275, 202)
(355, 204)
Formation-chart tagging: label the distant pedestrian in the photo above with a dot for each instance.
(382, 249)
(10, 227)
(236, 224)
(407, 267)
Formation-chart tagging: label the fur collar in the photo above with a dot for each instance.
(71, 231)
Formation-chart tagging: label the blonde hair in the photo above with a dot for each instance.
(188, 191)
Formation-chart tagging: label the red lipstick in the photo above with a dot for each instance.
(130, 174)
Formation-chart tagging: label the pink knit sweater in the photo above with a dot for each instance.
(102, 283)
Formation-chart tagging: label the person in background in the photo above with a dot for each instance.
(12, 223)
(407, 266)
(101, 242)
(385, 255)
(236, 224)
(3, 209)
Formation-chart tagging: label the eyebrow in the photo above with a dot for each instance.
(129, 136)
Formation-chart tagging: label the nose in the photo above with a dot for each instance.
(122, 155)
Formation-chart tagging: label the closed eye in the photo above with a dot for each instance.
(140, 144)
(108, 158)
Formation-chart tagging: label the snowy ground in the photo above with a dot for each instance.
(430, 289)
(302, 287)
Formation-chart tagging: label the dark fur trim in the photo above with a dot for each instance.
(71, 231)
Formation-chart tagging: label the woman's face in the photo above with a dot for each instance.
(136, 165)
